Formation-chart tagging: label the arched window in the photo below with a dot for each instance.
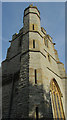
(56, 100)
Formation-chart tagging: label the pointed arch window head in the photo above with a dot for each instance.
(56, 100)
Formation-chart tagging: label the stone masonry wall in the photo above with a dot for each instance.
(21, 95)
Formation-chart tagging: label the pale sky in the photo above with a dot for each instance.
(52, 19)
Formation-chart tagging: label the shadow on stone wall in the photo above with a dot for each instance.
(38, 97)
(23, 101)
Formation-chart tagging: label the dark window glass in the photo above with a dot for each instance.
(33, 27)
(36, 113)
(35, 77)
(33, 43)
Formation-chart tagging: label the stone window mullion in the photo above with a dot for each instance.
(56, 100)
(54, 107)
(61, 107)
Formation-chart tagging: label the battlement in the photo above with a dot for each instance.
(49, 37)
(31, 6)
(43, 30)
(31, 9)
(21, 30)
(14, 36)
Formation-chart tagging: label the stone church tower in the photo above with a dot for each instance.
(33, 77)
